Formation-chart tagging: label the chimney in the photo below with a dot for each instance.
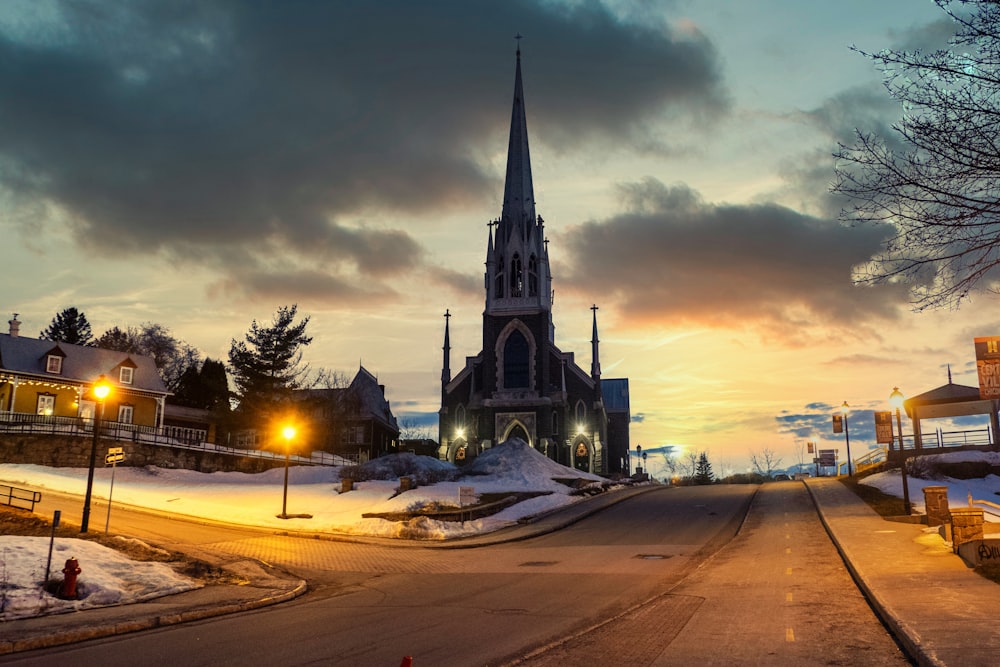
(15, 326)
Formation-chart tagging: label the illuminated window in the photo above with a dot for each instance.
(46, 404)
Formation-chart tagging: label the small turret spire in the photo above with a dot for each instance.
(446, 362)
(595, 363)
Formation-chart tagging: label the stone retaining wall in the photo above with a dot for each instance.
(74, 452)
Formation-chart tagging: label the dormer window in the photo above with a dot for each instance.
(53, 364)
(126, 375)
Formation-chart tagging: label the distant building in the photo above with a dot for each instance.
(52, 378)
(521, 384)
(355, 422)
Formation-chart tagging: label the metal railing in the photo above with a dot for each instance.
(937, 439)
(13, 496)
(167, 436)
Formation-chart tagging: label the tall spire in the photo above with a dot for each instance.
(595, 358)
(517, 262)
(446, 363)
(519, 192)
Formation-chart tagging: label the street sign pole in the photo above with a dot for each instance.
(115, 454)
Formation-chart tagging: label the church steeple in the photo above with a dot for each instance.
(446, 362)
(517, 262)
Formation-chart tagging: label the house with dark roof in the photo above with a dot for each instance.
(51, 378)
(355, 422)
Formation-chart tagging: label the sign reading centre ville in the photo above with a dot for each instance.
(988, 366)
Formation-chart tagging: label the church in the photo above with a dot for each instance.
(521, 385)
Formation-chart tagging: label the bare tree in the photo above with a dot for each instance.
(765, 461)
(934, 180)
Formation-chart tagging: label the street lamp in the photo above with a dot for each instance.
(288, 432)
(638, 457)
(896, 401)
(101, 389)
(847, 436)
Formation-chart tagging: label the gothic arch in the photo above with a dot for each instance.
(582, 453)
(517, 429)
(500, 351)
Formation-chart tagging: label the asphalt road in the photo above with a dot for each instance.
(372, 604)
(777, 594)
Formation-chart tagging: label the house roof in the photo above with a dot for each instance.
(366, 390)
(23, 356)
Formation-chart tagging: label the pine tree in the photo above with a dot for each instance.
(171, 355)
(69, 326)
(703, 473)
(268, 364)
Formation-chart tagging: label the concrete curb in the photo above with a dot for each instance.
(900, 630)
(74, 635)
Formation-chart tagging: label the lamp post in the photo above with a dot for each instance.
(896, 401)
(288, 432)
(638, 459)
(100, 390)
(847, 437)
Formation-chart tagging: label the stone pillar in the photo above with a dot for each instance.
(346, 484)
(936, 502)
(405, 484)
(966, 525)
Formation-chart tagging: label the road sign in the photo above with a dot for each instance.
(114, 458)
(828, 457)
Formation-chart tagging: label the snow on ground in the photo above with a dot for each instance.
(256, 500)
(959, 490)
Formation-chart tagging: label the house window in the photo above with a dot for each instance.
(125, 414)
(53, 364)
(46, 404)
(125, 376)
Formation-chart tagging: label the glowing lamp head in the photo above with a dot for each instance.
(459, 433)
(844, 408)
(288, 432)
(896, 398)
(102, 388)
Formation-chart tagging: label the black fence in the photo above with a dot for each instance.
(166, 436)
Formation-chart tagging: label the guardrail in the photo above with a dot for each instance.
(10, 495)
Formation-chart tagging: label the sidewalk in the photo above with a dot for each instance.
(940, 610)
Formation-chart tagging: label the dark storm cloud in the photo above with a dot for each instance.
(187, 127)
(674, 259)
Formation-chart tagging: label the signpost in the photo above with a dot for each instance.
(828, 458)
(883, 428)
(115, 455)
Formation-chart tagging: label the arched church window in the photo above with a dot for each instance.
(516, 279)
(460, 416)
(581, 412)
(515, 361)
(533, 276)
(499, 279)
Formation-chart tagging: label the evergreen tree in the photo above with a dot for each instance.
(116, 339)
(268, 363)
(69, 326)
(206, 388)
(703, 473)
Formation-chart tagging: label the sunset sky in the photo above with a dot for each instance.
(199, 164)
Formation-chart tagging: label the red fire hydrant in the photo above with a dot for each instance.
(68, 589)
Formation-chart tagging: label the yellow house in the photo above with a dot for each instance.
(50, 378)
